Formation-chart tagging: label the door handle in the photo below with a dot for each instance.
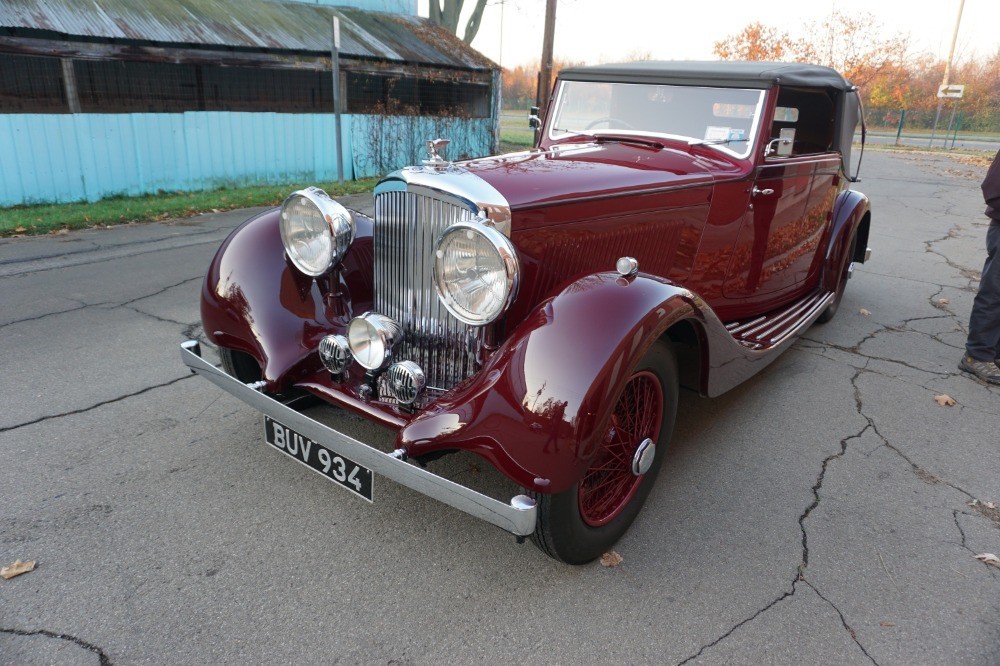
(766, 192)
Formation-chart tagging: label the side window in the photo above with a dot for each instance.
(806, 116)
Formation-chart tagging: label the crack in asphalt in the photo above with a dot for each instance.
(738, 625)
(967, 273)
(166, 320)
(95, 405)
(101, 654)
(804, 556)
(843, 621)
(112, 252)
(105, 304)
(954, 515)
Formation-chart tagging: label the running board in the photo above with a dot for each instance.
(768, 330)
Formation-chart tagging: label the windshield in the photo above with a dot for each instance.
(726, 118)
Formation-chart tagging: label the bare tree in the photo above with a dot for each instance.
(448, 13)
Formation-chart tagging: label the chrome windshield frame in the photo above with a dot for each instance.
(552, 120)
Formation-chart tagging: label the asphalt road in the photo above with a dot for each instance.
(820, 513)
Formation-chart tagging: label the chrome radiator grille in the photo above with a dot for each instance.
(407, 225)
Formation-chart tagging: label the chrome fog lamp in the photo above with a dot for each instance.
(475, 272)
(406, 381)
(371, 338)
(315, 230)
(335, 352)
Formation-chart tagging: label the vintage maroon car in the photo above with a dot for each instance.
(677, 224)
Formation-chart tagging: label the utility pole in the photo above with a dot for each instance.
(545, 75)
(337, 107)
(947, 70)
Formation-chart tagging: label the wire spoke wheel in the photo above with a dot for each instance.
(609, 484)
(578, 524)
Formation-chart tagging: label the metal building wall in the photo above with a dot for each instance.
(60, 158)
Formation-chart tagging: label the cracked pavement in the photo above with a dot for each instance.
(823, 512)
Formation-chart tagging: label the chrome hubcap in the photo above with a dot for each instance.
(643, 458)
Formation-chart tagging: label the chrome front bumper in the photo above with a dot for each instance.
(517, 517)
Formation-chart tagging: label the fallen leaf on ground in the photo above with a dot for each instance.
(989, 558)
(19, 229)
(611, 559)
(17, 569)
(865, 313)
(887, 624)
(945, 400)
(943, 301)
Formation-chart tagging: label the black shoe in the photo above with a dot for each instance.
(988, 371)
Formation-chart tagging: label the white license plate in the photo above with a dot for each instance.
(342, 471)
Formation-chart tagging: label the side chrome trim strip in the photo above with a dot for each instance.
(518, 517)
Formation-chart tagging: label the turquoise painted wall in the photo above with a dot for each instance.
(393, 6)
(384, 143)
(61, 158)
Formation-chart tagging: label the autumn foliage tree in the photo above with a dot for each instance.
(755, 42)
(879, 62)
(519, 83)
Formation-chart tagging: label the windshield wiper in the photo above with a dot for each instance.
(605, 137)
(621, 138)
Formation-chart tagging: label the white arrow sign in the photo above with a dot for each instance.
(951, 92)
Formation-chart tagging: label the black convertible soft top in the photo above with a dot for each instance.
(713, 73)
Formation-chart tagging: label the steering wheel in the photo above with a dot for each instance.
(609, 120)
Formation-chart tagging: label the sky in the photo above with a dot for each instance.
(598, 31)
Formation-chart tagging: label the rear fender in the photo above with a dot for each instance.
(539, 407)
(849, 212)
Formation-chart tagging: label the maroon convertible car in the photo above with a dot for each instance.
(677, 224)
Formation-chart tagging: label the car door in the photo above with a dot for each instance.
(773, 247)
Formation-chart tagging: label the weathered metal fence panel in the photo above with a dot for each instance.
(61, 158)
(384, 143)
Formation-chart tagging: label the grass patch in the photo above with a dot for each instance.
(51, 218)
(515, 140)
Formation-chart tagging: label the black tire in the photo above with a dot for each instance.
(845, 272)
(563, 531)
(240, 365)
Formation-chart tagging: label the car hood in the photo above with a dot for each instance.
(572, 172)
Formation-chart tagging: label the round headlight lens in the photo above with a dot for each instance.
(316, 230)
(475, 272)
(371, 338)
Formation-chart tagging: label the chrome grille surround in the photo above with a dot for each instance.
(412, 208)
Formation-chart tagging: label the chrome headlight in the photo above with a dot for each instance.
(475, 272)
(371, 338)
(316, 230)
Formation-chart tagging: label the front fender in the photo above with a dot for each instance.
(255, 301)
(539, 407)
(849, 211)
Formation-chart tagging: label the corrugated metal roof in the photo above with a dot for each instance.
(257, 24)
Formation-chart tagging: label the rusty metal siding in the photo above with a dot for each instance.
(252, 24)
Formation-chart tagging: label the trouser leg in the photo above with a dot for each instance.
(984, 323)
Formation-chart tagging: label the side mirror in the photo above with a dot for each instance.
(782, 146)
(534, 122)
